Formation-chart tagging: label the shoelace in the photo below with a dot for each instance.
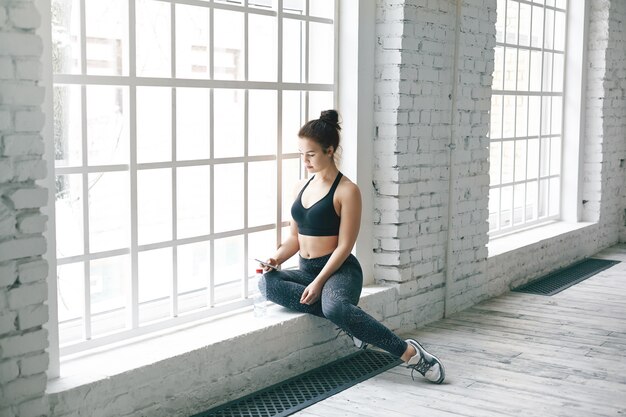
(363, 344)
(422, 367)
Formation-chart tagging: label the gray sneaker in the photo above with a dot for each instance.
(426, 364)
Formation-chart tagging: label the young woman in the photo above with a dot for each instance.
(326, 218)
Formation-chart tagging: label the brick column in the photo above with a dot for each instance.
(23, 272)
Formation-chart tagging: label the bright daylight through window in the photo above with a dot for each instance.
(526, 114)
(175, 129)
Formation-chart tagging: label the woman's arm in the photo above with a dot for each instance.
(350, 198)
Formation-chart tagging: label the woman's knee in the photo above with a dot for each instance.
(335, 310)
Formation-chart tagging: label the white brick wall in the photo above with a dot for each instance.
(23, 288)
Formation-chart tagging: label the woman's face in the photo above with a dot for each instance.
(313, 156)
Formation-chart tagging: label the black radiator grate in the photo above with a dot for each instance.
(294, 394)
(557, 281)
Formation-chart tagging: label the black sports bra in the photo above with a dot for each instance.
(320, 219)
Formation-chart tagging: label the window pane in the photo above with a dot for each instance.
(65, 17)
(153, 38)
(322, 8)
(109, 211)
(507, 161)
(262, 122)
(521, 116)
(293, 119)
(498, 74)
(69, 215)
(518, 204)
(545, 115)
(291, 176)
(543, 198)
(107, 125)
(294, 39)
(319, 101)
(536, 39)
(534, 113)
(228, 122)
(67, 126)
(533, 159)
(495, 149)
(531, 201)
(154, 124)
(555, 196)
(262, 48)
(494, 208)
(520, 160)
(512, 11)
(228, 203)
(193, 56)
(107, 37)
(321, 53)
(110, 279)
(192, 123)
(545, 157)
(154, 205)
(229, 58)
(71, 301)
(548, 41)
(500, 20)
(555, 156)
(155, 284)
(557, 110)
(510, 68)
(535, 71)
(523, 70)
(292, 262)
(261, 193)
(261, 245)
(229, 268)
(559, 31)
(294, 6)
(506, 206)
(546, 84)
(496, 117)
(263, 4)
(193, 276)
(557, 80)
(193, 205)
(509, 117)
(524, 24)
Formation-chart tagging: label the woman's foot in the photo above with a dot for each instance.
(425, 363)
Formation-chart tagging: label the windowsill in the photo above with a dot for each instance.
(107, 362)
(509, 243)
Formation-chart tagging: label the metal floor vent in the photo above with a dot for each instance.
(294, 394)
(557, 281)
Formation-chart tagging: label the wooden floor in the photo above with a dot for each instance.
(516, 355)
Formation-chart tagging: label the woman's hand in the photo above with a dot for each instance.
(311, 293)
(270, 261)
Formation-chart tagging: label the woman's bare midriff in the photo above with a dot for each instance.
(316, 246)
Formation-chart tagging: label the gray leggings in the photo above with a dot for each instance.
(340, 295)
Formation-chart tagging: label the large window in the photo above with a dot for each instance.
(175, 152)
(526, 114)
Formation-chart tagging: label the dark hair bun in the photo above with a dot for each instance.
(331, 117)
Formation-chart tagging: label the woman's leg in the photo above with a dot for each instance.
(286, 287)
(340, 296)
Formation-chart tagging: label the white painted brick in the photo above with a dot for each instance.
(32, 223)
(7, 224)
(34, 408)
(34, 364)
(33, 271)
(8, 371)
(6, 412)
(24, 16)
(22, 389)
(8, 274)
(28, 294)
(32, 316)
(23, 144)
(7, 71)
(6, 169)
(30, 169)
(29, 121)
(20, 248)
(22, 344)
(23, 198)
(29, 69)
(7, 322)
(20, 94)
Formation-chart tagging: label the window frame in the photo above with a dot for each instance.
(133, 82)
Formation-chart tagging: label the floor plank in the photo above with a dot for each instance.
(515, 355)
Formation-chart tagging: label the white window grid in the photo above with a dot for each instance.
(82, 80)
(528, 199)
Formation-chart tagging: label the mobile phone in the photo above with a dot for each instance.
(266, 264)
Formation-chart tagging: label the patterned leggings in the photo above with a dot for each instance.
(340, 295)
